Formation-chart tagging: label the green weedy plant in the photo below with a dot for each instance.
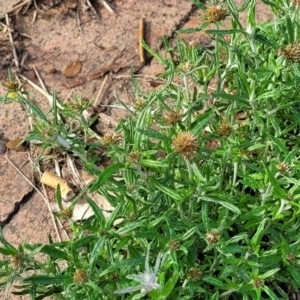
(204, 178)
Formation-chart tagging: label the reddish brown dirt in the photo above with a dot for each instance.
(66, 32)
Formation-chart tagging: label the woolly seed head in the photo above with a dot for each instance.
(185, 144)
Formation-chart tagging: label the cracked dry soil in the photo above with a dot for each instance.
(53, 34)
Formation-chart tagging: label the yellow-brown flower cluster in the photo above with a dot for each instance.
(291, 52)
(172, 117)
(283, 168)
(80, 276)
(195, 273)
(215, 14)
(212, 237)
(185, 144)
(224, 129)
(110, 138)
(134, 157)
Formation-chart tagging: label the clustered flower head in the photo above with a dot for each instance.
(224, 129)
(134, 157)
(257, 282)
(172, 117)
(212, 237)
(66, 213)
(291, 52)
(185, 144)
(80, 276)
(215, 13)
(194, 273)
(283, 167)
(110, 138)
(174, 245)
(17, 261)
(186, 66)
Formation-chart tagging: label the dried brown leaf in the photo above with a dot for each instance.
(73, 69)
(16, 144)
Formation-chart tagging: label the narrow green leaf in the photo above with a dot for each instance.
(227, 205)
(212, 280)
(95, 253)
(269, 292)
(168, 191)
(105, 175)
(201, 123)
(169, 286)
(97, 211)
(45, 280)
(255, 240)
(270, 273)
(295, 274)
(153, 163)
(6, 244)
(126, 263)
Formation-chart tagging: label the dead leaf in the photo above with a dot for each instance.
(73, 69)
(16, 144)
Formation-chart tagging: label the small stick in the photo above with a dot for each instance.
(141, 37)
(17, 7)
(93, 10)
(12, 43)
(107, 7)
(38, 191)
(100, 91)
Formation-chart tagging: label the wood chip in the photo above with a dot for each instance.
(16, 144)
(73, 69)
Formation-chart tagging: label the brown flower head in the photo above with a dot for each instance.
(139, 104)
(291, 52)
(257, 282)
(174, 245)
(66, 213)
(11, 86)
(17, 261)
(80, 276)
(212, 237)
(283, 168)
(172, 117)
(185, 144)
(194, 273)
(186, 66)
(134, 157)
(224, 129)
(291, 258)
(110, 138)
(215, 13)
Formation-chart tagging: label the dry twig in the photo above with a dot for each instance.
(12, 43)
(44, 198)
(93, 10)
(141, 37)
(107, 7)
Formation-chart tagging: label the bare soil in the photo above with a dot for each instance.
(102, 46)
